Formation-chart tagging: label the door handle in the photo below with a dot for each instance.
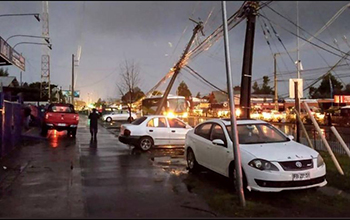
(150, 130)
(173, 131)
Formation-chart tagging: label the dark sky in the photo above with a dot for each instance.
(154, 34)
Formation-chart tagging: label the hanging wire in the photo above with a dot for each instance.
(304, 30)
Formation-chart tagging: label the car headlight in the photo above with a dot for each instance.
(261, 164)
(320, 161)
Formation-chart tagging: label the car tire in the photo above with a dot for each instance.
(74, 132)
(44, 130)
(192, 163)
(145, 143)
(109, 119)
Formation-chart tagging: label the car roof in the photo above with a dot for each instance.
(227, 121)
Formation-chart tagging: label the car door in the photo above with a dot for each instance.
(201, 144)
(113, 116)
(178, 130)
(220, 154)
(158, 129)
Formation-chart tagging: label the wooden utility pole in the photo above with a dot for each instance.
(275, 81)
(178, 66)
(250, 10)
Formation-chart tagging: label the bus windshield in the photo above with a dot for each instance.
(176, 105)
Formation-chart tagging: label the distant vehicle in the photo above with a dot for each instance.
(271, 160)
(176, 106)
(150, 130)
(119, 115)
(60, 117)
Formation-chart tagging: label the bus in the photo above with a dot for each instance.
(176, 106)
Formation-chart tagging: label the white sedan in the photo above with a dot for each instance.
(120, 115)
(271, 161)
(151, 130)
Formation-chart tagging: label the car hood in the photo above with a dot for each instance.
(283, 151)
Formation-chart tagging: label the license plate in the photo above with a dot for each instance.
(300, 176)
(61, 124)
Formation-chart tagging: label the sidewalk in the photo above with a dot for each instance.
(63, 177)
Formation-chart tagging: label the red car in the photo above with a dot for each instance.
(60, 117)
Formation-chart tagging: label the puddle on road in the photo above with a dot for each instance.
(172, 160)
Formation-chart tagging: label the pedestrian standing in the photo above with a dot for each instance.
(94, 116)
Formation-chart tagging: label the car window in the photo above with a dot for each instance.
(258, 133)
(176, 123)
(203, 130)
(61, 109)
(217, 133)
(158, 122)
(139, 121)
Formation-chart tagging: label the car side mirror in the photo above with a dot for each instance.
(291, 137)
(218, 142)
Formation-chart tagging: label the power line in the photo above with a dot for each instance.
(301, 37)
(304, 30)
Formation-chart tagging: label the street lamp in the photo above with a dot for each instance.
(36, 15)
(48, 45)
(47, 39)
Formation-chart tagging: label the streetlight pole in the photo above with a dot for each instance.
(23, 35)
(36, 15)
(234, 134)
(49, 45)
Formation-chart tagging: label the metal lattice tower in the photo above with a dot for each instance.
(45, 58)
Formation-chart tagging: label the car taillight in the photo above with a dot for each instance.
(127, 132)
(46, 116)
(76, 117)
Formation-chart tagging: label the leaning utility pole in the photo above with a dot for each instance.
(234, 134)
(178, 66)
(250, 11)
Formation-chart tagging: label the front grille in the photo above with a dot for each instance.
(292, 165)
(283, 184)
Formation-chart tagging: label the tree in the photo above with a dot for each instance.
(4, 72)
(265, 88)
(183, 90)
(324, 89)
(198, 95)
(129, 72)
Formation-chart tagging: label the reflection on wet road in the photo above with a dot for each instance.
(120, 181)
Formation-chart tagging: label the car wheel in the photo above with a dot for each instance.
(44, 130)
(192, 164)
(145, 143)
(109, 119)
(74, 132)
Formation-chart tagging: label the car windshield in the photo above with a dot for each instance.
(139, 121)
(258, 133)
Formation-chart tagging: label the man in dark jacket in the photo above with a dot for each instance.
(94, 116)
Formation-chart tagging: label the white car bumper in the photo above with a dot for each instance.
(276, 181)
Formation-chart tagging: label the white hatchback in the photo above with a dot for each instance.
(271, 160)
(151, 130)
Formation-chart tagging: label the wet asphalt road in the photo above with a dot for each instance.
(63, 177)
